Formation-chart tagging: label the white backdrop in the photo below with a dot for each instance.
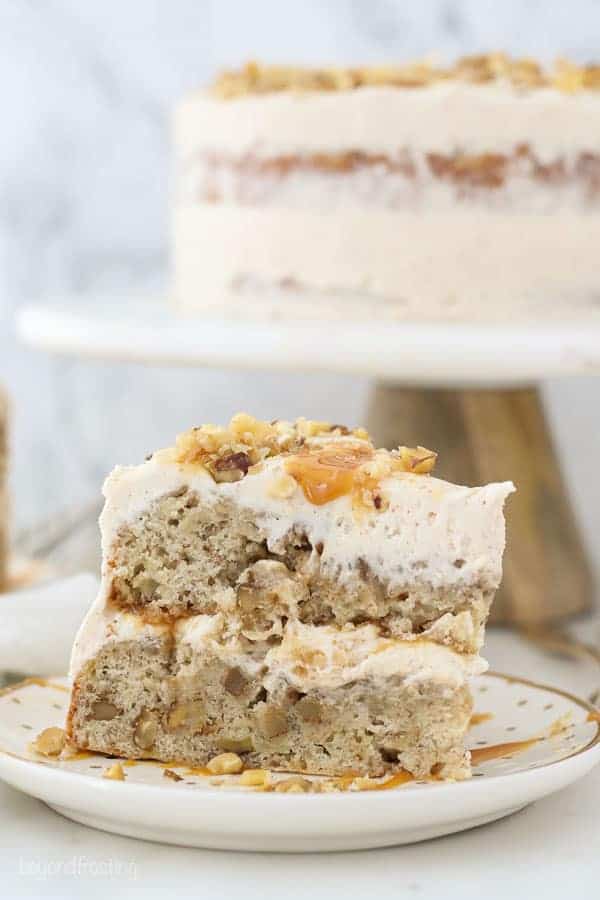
(85, 93)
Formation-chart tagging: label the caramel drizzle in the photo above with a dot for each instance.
(401, 777)
(479, 718)
(196, 770)
(496, 751)
(328, 473)
(44, 682)
(79, 754)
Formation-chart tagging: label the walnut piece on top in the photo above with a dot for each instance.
(524, 73)
(327, 461)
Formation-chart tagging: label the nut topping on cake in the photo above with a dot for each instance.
(229, 453)
(326, 473)
(325, 461)
(525, 73)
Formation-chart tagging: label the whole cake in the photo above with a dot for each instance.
(3, 490)
(290, 594)
(414, 193)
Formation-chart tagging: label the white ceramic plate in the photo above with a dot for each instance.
(145, 329)
(195, 813)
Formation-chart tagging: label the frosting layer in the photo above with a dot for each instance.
(464, 265)
(447, 116)
(308, 657)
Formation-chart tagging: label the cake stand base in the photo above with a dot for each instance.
(485, 435)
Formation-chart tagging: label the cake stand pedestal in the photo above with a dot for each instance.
(487, 422)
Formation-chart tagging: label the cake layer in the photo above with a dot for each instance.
(478, 266)
(413, 553)
(324, 701)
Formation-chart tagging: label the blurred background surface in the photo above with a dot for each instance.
(86, 91)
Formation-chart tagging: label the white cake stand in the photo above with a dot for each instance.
(469, 391)
(144, 329)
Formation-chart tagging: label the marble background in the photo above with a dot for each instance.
(85, 92)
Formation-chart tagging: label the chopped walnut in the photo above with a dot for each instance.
(231, 453)
(237, 745)
(416, 459)
(146, 728)
(525, 73)
(49, 742)
(272, 721)
(114, 773)
(232, 467)
(254, 778)
(103, 711)
(309, 709)
(325, 461)
(225, 764)
(190, 716)
(169, 773)
(266, 592)
(296, 785)
(235, 682)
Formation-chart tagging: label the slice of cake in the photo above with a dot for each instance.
(470, 192)
(4, 541)
(289, 593)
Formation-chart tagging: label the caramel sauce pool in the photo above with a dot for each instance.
(402, 777)
(328, 473)
(496, 751)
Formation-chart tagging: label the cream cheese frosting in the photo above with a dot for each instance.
(467, 264)
(451, 115)
(309, 656)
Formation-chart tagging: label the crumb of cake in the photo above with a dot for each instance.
(525, 73)
(49, 742)
(225, 764)
(254, 778)
(296, 785)
(115, 773)
(169, 773)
